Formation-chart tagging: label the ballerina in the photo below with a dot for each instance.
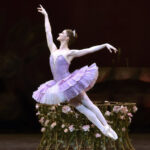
(72, 87)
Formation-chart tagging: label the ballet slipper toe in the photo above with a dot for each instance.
(109, 132)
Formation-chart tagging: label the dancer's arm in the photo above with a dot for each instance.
(78, 53)
(49, 37)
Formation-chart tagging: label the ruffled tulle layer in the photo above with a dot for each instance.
(71, 86)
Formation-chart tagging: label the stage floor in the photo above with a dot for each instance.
(31, 141)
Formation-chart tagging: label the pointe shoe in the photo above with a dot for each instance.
(109, 132)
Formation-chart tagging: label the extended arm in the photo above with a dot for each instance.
(78, 53)
(49, 37)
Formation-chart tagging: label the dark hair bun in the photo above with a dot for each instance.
(72, 36)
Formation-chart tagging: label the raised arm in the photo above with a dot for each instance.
(49, 37)
(78, 53)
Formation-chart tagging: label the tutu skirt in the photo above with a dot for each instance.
(55, 92)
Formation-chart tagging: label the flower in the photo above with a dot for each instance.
(46, 122)
(116, 109)
(86, 127)
(71, 128)
(76, 115)
(66, 109)
(123, 129)
(38, 113)
(124, 109)
(41, 120)
(66, 130)
(37, 106)
(130, 115)
(43, 129)
(52, 108)
(130, 119)
(135, 109)
(92, 125)
(122, 117)
(53, 124)
(62, 126)
(97, 135)
(107, 113)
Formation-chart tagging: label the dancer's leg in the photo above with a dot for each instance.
(91, 116)
(76, 102)
(89, 104)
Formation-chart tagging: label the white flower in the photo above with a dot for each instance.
(43, 129)
(71, 128)
(38, 113)
(107, 113)
(86, 127)
(130, 119)
(66, 130)
(135, 109)
(37, 106)
(41, 120)
(46, 122)
(52, 108)
(62, 126)
(53, 124)
(97, 135)
(66, 109)
(76, 115)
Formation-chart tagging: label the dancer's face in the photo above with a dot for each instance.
(63, 36)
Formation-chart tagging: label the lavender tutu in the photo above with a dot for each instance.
(65, 85)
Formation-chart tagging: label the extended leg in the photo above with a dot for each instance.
(90, 115)
(88, 103)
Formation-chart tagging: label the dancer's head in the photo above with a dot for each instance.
(67, 35)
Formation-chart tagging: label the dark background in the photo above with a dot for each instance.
(24, 54)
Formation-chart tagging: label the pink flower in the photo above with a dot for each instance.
(66, 109)
(66, 130)
(86, 127)
(43, 129)
(97, 135)
(135, 109)
(53, 124)
(122, 117)
(107, 113)
(123, 129)
(130, 115)
(124, 109)
(62, 126)
(116, 109)
(71, 128)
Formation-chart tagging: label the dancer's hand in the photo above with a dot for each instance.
(110, 48)
(42, 10)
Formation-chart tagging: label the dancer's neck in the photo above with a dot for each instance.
(64, 46)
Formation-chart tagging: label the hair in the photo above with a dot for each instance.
(71, 36)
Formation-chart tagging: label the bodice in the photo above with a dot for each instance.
(59, 67)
